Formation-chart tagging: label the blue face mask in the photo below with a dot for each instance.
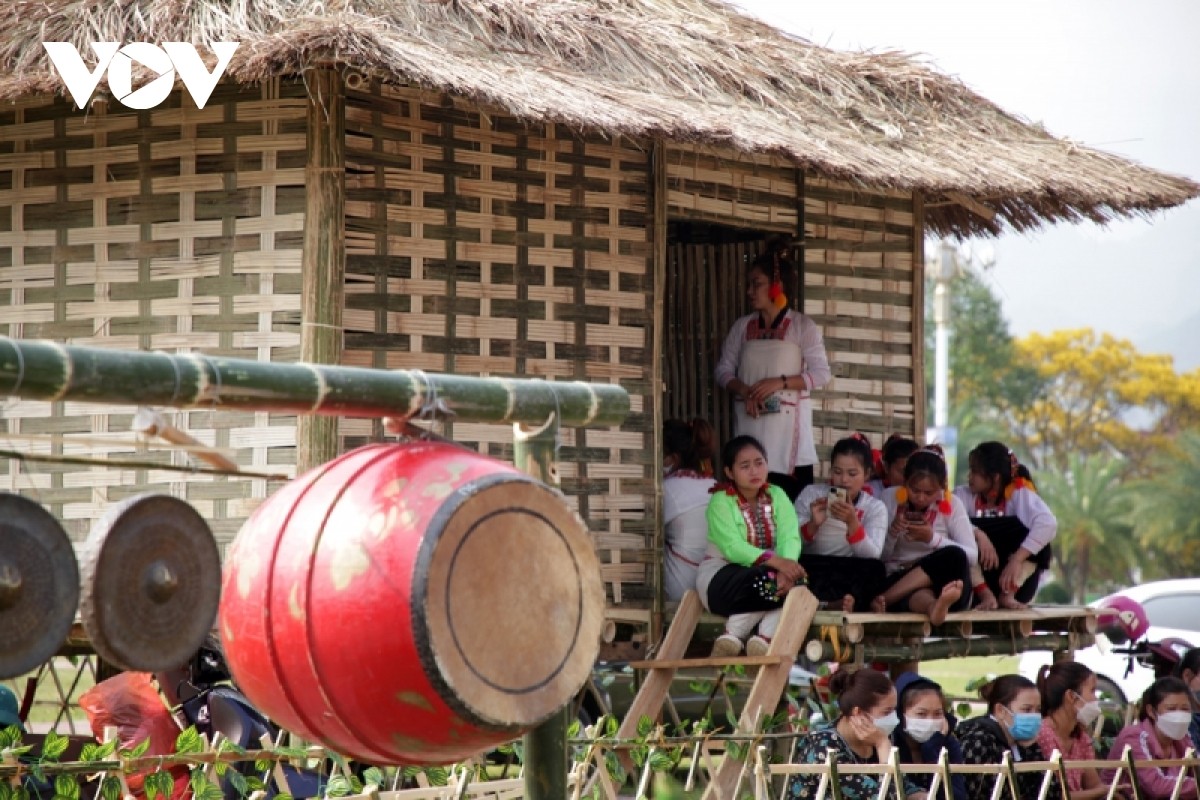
(1025, 726)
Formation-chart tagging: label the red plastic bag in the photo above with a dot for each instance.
(130, 703)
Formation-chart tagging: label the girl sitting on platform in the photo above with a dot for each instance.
(889, 471)
(1011, 725)
(1161, 732)
(1069, 701)
(926, 728)
(929, 545)
(867, 702)
(687, 447)
(843, 532)
(753, 543)
(1013, 527)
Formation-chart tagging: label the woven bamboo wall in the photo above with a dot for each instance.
(173, 229)
(480, 245)
(859, 283)
(743, 190)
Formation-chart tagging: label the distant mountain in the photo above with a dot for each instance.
(1181, 340)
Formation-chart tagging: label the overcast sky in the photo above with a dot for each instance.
(1121, 76)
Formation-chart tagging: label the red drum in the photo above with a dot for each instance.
(412, 604)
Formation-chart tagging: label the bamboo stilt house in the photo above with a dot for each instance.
(566, 190)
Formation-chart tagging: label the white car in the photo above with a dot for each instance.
(1173, 608)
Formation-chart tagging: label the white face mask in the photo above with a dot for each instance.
(887, 724)
(1089, 713)
(921, 730)
(1174, 724)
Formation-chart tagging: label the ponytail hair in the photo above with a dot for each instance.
(1055, 680)
(693, 442)
(861, 688)
(995, 459)
(895, 448)
(1003, 690)
(1158, 691)
(855, 445)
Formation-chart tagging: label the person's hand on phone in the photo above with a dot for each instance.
(919, 531)
(753, 407)
(899, 526)
(819, 511)
(844, 511)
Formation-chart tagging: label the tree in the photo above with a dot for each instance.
(1088, 385)
(1166, 509)
(1095, 542)
(983, 362)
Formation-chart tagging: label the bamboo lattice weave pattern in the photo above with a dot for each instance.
(477, 244)
(172, 229)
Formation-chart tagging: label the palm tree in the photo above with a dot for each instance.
(1166, 508)
(1095, 539)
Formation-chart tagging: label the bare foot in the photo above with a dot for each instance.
(1008, 601)
(879, 604)
(848, 604)
(985, 600)
(949, 596)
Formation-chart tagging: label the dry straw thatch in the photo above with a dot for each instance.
(682, 69)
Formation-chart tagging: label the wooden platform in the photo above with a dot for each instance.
(902, 636)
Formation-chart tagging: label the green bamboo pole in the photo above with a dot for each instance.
(943, 648)
(43, 370)
(534, 451)
(323, 259)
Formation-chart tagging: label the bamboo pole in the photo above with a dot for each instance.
(44, 370)
(658, 296)
(942, 648)
(323, 259)
(546, 762)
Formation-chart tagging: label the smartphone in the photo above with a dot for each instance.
(914, 516)
(838, 493)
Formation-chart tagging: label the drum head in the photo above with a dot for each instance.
(151, 583)
(512, 604)
(39, 585)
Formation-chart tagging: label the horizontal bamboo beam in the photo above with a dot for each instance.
(948, 648)
(44, 370)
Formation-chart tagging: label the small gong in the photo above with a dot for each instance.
(39, 585)
(151, 583)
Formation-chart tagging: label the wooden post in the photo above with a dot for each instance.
(658, 199)
(546, 762)
(918, 316)
(323, 262)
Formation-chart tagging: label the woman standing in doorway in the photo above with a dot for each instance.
(772, 360)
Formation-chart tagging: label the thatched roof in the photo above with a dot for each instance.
(683, 69)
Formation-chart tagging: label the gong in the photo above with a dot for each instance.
(151, 583)
(39, 585)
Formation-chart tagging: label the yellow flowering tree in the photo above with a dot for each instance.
(1096, 394)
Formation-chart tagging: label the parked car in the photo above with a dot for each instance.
(1173, 609)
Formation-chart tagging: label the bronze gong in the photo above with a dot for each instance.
(39, 585)
(151, 583)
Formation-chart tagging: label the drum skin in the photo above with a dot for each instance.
(412, 604)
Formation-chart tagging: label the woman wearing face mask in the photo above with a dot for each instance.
(1188, 671)
(1011, 725)
(867, 702)
(1071, 707)
(926, 728)
(1160, 732)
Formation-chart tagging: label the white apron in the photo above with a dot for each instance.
(787, 434)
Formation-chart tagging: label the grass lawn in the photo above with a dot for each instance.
(955, 673)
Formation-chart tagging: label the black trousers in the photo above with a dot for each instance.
(831, 578)
(944, 565)
(795, 483)
(733, 591)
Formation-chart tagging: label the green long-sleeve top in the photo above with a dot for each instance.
(727, 528)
